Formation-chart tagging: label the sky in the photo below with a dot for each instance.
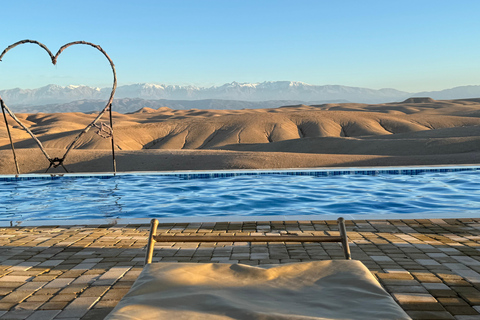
(412, 46)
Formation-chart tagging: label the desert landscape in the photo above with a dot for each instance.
(418, 131)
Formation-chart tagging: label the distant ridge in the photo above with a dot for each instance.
(269, 94)
(419, 100)
(128, 105)
(463, 92)
(265, 91)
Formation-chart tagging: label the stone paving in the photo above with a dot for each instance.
(431, 267)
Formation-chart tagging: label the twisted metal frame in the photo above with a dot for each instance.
(55, 162)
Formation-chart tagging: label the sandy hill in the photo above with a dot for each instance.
(416, 131)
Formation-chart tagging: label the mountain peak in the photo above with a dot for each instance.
(262, 91)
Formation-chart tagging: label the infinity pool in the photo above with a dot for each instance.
(241, 194)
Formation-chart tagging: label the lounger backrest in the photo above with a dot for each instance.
(229, 238)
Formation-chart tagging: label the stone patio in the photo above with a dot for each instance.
(431, 267)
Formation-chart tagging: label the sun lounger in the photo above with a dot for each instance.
(333, 289)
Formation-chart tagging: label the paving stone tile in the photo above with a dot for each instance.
(418, 301)
(28, 305)
(437, 255)
(395, 276)
(396, 271)
(10, 278)
(457, 282)
(426, 277)
(381, 258)
(111, 276)
(59, 283)
(12, 262)
(442, 293)
(456, 266)
(115, 294)
(16, 296)
(468, 274)
(39, 298)
(406, 289)
(90, 260)
(436, 286)
(55, 305)
(84, 266)
(5, 290)
(454, 301)
(5, 306)
(105, 304)
(404, 298)
(430, 315)
(85, 279)
(43, 315)
(17, 314)
(461, 310)
(50, 263)
(23, 266)
(427, 262)
(470, 294)
(44, 278)
(96, 291)
(399, 282)
(63, 297)
(467, 260)
(97, 314)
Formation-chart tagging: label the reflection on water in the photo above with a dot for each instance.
(145, 196)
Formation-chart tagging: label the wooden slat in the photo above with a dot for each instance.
(281, 238)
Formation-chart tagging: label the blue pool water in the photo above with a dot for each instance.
(328, 192)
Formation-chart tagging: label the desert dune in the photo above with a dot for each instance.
(418, 131)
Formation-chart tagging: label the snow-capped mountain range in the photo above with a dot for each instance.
(248, 92)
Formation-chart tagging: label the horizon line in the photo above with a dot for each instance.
(233, 82)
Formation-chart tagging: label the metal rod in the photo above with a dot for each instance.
(64, 168)
(49, 167)
(114, 162)
(10, 137)
(27, 41)
(220, 238)
(151, 241)
(344, 239)
(4, 106)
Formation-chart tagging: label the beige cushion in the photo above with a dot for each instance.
(336, 289)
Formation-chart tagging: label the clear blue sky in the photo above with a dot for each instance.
(408, 45)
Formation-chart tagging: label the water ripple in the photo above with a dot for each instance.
(145, 196)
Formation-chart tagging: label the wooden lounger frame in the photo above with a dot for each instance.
(152, 238)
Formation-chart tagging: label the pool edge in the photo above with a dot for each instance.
(233, 218)
(211, 173)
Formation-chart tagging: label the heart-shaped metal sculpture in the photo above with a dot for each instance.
(55, 162)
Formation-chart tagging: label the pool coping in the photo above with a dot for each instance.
(198, 174)
(233, 218)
